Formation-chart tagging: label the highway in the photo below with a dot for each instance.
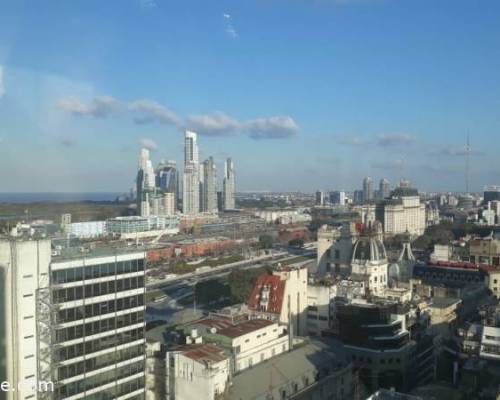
(190, 278)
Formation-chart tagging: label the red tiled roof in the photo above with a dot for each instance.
(205, 352)
(276, 293)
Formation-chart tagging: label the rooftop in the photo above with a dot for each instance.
(227, 328)
(287, 367)
(276, 287)
(207, 353)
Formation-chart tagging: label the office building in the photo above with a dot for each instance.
(74, 317)
(320, 198)
(209, 186)
(384, 189)
(338, 198)
(145, 182)
(229, 185)
(491, 193)
(167, 179)
(404, 212)
(367, 189)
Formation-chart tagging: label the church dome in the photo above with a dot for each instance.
(369, 248)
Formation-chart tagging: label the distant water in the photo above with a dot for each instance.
(57, 197)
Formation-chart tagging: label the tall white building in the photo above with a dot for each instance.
(146, 166)
(229, 185)
(24, 266)
(209, 186)
(73, 318)
(191, 190)
(191, 179)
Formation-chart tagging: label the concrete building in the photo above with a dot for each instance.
(209, 200)
(284, 295)
(25, 269)
(404, 212)
(229, 185)
(247, 341)
(135, 227)
(335, 249)
(75, 318)
(319, 308)
(199, 371)
(485, 251)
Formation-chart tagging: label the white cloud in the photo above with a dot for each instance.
(394, 139)
(383, 140)
(229, 27)
(149, 144)
(278, 127)
(352, 140)
(149, 111)
(2, 87)
(215, 124)
(147, 4)
(99, 107)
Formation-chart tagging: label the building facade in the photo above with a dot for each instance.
(229, 185)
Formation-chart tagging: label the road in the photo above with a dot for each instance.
(193, 277)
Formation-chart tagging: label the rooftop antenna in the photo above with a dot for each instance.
(467, 163)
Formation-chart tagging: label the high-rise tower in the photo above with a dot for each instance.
(191, 179)
(384, 189)
(209, 186)
(367, 189)
(229, 185)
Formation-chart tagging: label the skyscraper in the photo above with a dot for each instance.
(209, 186)
(145, 182)
(191, 152)
(167, 178)
(367, 189)
(191, 179)
(384, 189)
(229, 185)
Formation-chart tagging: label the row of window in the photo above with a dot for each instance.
(92, 346)
(92, 382)
(100, 326)
(97, 289)
(102, 361)
(97, 309)
(382, 361)
(96, 271)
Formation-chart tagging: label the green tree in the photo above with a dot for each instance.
(266, 241)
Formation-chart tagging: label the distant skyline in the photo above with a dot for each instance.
(301, 94)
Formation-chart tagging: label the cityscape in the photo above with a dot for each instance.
(333, 235)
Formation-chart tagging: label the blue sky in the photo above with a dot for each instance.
(302, 94)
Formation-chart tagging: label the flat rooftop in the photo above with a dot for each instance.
(226, 328)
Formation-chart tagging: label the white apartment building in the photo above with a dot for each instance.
(404, 214)
(250, 341)
(75, 319)
(198, 372)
